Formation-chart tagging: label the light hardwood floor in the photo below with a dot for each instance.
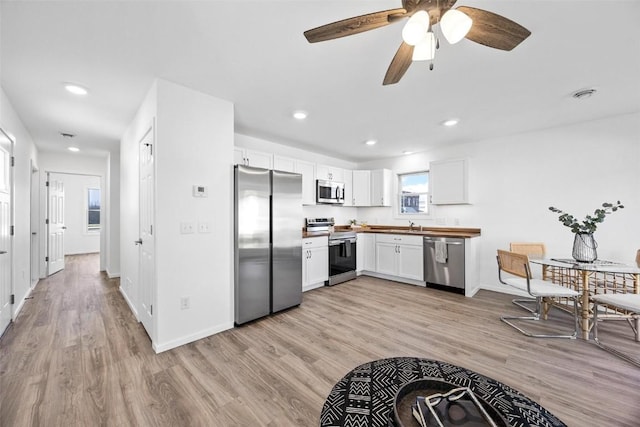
(77, 357)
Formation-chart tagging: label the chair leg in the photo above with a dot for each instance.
(607, 348)
(536, 317)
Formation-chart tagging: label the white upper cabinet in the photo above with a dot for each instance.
(348, 188)
(449, 182)
(308, 172)
(381, 187)
(253, 158)
(284, 164)
(330, 173)
(361, 188)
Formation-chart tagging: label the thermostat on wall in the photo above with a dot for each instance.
(200, 191)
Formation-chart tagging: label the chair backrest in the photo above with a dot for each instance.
(514, 263)
(533, 249)
(638, 257)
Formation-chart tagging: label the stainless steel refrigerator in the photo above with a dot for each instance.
(268, 242)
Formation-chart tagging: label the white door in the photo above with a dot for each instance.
(410, 262)
(56, 227)
(146, 241)
(386, 258)
(318, 265)
(6, 150)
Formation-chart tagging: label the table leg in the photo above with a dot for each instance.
(585, 305)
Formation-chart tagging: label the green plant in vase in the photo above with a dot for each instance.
(584, 245)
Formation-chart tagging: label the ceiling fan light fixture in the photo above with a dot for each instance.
(74, 149)
(455, 25)
(76, 89)
(426, 49)
(415, 30)
(370, 142)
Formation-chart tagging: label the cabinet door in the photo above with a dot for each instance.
(305, 261)
(361, 188)
(386, 254)
(348, 188)
(448, 181)
(308, 172)
(238, 156)
(410, 262)
(258, 159)
(318, 265)
(323, 172)
(381, 187)
(360, 248)
(369, 244)
(337, 174)
(284, 164)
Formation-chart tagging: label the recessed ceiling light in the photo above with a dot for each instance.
(75, 89)
(371, 142)
(300, 115)
(450, 122)
(407, 152)
(74, 149)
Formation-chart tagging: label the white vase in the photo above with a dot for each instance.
(584, 247)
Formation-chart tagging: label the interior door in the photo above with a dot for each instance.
(146, 241)
(55, 227)
(6, 150)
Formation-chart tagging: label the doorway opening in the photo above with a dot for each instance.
(73, 217)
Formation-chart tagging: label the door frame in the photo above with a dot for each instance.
(34, 194)
(12, 306)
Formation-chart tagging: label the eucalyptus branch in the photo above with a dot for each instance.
(590, 223)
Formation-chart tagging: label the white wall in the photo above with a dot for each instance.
(194, 146)
(25, 154)
(72, 163)
(111, 240)
(77, 240)
(514, 179)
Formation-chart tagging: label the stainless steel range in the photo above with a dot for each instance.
(342, 250)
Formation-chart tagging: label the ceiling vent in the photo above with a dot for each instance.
(583, 93)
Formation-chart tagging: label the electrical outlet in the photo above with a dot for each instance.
(187, 228)
(185, 303)
(203, 227)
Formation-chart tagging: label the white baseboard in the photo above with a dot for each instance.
(17, 309)
(394, 278)
(313, 286)
(159, 348)
(111, 275)
(129, 303)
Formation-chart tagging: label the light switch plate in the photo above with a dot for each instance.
(204, 227)
(187, 228)
(200, 191)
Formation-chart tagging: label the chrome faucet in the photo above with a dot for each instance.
(411, 225)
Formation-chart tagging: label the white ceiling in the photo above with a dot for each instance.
(254, 54)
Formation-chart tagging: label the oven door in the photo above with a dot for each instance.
(342, 256)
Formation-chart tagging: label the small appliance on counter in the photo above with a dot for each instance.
(342, 250)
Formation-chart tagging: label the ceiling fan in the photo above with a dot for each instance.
(419, 41)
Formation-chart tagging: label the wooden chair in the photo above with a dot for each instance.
(517, 266)
(532, 250)
(628, 302)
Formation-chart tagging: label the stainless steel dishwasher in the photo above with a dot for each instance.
(444, 263)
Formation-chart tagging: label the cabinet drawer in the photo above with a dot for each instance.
(399, 239)
(315, 242)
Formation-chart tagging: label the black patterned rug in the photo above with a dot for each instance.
(365, 396)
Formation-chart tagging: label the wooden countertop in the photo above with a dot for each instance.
(394, 229)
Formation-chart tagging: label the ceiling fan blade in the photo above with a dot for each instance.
(494, 30)
(355, 25)
(399, 64)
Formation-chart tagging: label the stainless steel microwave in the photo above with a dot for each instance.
(329, 192)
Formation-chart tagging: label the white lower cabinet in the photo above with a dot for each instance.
(400, 256)
(366, 252)
(315, 262)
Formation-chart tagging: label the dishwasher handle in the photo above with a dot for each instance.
(448, 243)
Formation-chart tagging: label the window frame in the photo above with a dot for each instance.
(398, 214)
(89, 228)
